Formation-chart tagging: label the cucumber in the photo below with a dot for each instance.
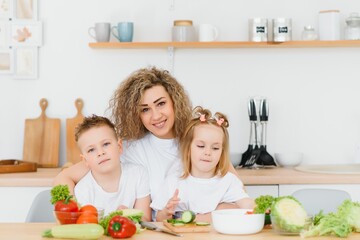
(75, 231)
(178, 224)
(202, 223)
(188, 216)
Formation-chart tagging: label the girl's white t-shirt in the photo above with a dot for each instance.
(160, 157)
(133, 184)
(200, 195)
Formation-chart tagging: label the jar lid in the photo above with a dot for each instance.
(353, 19)
(328, 11)
(309, 27)
(183, 23)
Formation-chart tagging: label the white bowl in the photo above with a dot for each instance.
(235, 158)
(290, 159)
(236, 221)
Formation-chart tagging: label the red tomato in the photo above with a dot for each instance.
(87, 217)
(69, 206)
(249, 212)
(89, 209)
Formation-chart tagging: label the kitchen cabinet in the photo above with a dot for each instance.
(352, 189)
(255, 191)
(16, 202)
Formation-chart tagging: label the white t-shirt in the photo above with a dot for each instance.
(160, 157)
(134, 184)
(200, 195)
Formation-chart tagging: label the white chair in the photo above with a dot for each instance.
(315, 200)
(41, 209)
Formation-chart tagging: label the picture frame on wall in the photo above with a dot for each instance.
(26, 33)
(3, 34)
(25, 9)
(6, 9)
(26, 63)
(6, 61)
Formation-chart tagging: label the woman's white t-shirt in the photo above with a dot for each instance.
(160, 157)
(200, 195)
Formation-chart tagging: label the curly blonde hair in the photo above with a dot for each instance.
(203, 116)
(125, 102)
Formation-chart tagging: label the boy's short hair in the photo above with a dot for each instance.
(91, 122)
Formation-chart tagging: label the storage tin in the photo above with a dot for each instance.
(258, 30)
(282, 29)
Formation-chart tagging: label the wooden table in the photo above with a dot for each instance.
(33, 231)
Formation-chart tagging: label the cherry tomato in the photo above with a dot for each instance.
(249, 212)
(87, 217)
(89, 209)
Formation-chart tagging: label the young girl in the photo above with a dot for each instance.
(206, 181)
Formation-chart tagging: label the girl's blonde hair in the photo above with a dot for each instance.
(203, 116)
(125, 102)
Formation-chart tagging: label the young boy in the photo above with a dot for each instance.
(109, 184)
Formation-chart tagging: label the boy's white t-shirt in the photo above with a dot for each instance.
(134, 184)
(200, 195)
(160, 157)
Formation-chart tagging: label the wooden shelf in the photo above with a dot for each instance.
(290, 44)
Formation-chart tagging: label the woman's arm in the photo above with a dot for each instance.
(144, 205)
(71, 175)
(206, 217)
(246, 203)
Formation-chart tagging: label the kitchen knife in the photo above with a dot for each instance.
(151, 226)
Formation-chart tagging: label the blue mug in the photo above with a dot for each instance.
(124, 31)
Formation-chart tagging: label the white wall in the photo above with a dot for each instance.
(312, 92)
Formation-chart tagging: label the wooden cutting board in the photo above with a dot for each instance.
(187, 228)
(13, 166)
(41, 139)
(72, 150)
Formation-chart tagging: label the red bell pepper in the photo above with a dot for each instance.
(121, 227)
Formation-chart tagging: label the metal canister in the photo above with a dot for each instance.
(282, 29)
(258, 30)
(183, 31)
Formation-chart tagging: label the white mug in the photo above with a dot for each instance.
(207, 33)
(101, 32)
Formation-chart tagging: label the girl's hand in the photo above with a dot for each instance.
(172, 203)
(169, 209)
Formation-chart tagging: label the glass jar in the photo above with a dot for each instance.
(352, 30)
(183, 31)
(309, 34)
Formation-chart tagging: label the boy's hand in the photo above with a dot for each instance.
(122, 207)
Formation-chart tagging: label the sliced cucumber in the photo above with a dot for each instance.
(178, 224)
(202, 223)
(188, 216)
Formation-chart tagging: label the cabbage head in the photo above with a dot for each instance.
(289, 214)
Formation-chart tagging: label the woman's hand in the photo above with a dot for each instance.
(170, 207)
